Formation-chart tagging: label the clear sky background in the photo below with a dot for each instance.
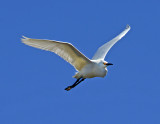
(32, 81)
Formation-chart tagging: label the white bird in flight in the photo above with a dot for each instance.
(86, 68)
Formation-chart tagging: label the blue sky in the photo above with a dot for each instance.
(32, 81)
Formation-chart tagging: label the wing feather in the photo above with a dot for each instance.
(65, 50)
(103, 50)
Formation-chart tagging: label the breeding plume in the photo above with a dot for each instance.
(86, 68)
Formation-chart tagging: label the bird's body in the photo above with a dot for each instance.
(87, 68)
(93, 69)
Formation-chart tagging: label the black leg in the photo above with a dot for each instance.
(69, 87)
(75, 84)
(78, 83)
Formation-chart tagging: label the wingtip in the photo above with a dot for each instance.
(24, 37)
(128, 27)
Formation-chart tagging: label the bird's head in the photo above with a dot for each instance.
(102, 63)
(105, 64)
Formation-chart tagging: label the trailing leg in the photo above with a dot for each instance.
(75, 84)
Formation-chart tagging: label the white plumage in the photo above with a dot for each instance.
(96, 67)
(65, 50)
(103, 50)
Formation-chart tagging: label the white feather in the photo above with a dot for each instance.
(103, 50)
(65, 50)
(87, 68)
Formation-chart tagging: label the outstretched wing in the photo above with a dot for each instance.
(103, 50)
(65, 50)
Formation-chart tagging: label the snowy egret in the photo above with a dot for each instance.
(86, 68)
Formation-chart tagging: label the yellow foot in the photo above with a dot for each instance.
(68, 88)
